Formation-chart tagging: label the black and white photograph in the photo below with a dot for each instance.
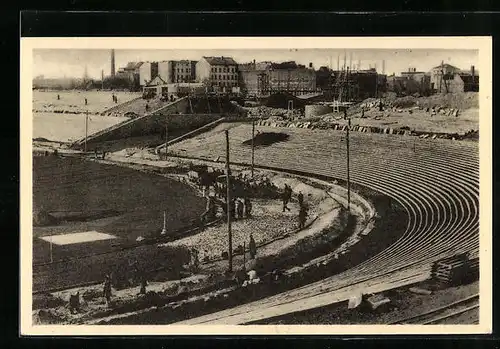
(192, 184)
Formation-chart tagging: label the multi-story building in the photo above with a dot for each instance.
(131, 73)
(253, 78)
(290, 77)
(219, 74)
(416, 82)
(177, 71)
(265, 78)
(447, 78)
(147, 72)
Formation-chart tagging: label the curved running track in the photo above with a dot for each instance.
(438, 186)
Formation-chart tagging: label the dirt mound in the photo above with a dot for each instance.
(267, 138)
(466, 100)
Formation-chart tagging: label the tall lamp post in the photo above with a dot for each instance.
(253, 144)
(348, 167)
(228, 198)
(86, 129)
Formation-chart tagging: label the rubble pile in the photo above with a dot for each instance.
(265, 112)
(212, 242)
(324, 125)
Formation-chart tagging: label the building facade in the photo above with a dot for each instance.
(416, 82)
(253, 78)
(265, 78)
(442, 76)
(290, 77)
(446, 78)
(177, 71)
(147, 72)
(219, 74)
(131, 73)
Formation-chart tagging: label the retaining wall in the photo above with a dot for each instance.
(153, 123)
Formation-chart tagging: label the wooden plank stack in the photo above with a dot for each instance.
(457, 270)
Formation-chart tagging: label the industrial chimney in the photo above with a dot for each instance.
(112, 63)
(472, 70)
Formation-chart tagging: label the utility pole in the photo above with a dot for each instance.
(253, 144)
(228, 202)
(244, 256)
(86, 128)
(164, 230)
(348, 174)
(166, 138)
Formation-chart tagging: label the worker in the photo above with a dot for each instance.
(248, 207)
(302, 216)
(287, 192)
(58, 97)
(147, 107)
(209, 213)
(300, 198)
(232, 208)
(252, 247)
(239, 209)
(107, 290)
(144, 283)
(74, 303)
(86, 102)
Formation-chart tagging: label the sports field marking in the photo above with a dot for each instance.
(77, 238)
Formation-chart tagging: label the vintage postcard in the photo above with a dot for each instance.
(256, 185)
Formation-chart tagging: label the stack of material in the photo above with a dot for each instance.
(455, 270)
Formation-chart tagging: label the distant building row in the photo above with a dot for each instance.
(444, 78)
(261, 79)
(223, 74)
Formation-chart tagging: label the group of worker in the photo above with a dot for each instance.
(287, 197)
(239, 208)
(107, 289)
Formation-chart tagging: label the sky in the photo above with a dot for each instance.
(71, 62)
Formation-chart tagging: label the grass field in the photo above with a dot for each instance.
(63, 120)
(74, 101)
(67, 187)
(69, 127)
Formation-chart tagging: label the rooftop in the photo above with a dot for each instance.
(220, 60)
(446, 66)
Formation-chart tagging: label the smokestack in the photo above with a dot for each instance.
(472, 70)
(383, 66)
(113, 63)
